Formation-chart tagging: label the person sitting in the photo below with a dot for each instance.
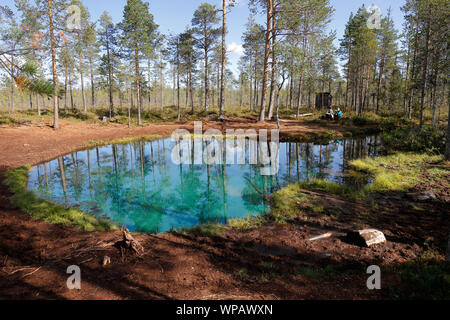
(339, 115)
(330, 114)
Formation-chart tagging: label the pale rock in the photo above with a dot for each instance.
(367, 237)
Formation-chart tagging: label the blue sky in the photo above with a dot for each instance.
(174, 15)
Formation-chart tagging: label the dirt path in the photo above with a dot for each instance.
(276, 261)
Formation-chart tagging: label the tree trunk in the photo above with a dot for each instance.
(111, 100)
(206, 68)
(55, 75)
(173, 84)
(380, 79)
(405, 97)
(12, 79)
(447, 144)
(266, 62)
(433, 104)
(91, 66)
(72, 105)
(138, 82)
(38, 106)
(348, 82)
(178, 82)
(191, 93)
(222, 77)
(161, 80)
(300, 89)
(425, 67)
(80, 58)
(65, 88)
(273, 82)
(149, 83)
(251, 84)
(413, 71)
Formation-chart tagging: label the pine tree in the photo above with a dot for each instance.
(205, 29)
(387, 39)
(188, 60)
(11, 35)
(138, 30)
(108, 40)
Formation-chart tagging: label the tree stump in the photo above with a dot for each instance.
(130, 243)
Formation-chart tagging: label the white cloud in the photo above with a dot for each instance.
(236, 49)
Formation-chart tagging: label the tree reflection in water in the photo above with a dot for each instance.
(139, 186)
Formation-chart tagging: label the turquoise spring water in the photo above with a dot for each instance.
(139, 186)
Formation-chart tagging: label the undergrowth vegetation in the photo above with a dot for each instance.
(429, 139)
(424, 278)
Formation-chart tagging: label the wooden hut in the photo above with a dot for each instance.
(324, 100)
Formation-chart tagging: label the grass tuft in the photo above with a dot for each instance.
(248, 223)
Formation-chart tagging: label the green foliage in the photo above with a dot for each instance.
(429, 139)
(137, 26)
(47, 211)
(424, 279)
(204, 24)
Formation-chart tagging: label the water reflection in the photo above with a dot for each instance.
(138, 185)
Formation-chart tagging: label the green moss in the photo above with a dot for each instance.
(47, 211)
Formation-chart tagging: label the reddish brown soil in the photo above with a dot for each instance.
(276, 261)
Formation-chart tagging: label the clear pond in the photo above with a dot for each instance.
(138, 185)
